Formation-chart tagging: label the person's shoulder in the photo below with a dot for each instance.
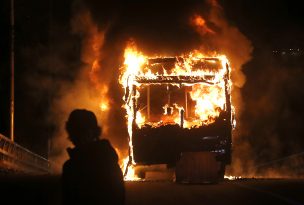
(104, 143)
(106, 146)
(66, 166)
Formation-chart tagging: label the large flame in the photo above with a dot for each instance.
(209, 99)
(205, 86)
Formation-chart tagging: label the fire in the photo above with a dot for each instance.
(128, 170)
(209, 101)
(200, 77)
(200, 24)
(103, 106)
(133, 62)
(230, 177)
(140, 120)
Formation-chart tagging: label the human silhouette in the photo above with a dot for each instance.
(92, 174)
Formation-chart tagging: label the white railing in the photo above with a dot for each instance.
(15, 158)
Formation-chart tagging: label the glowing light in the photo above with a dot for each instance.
(204, 75)
(131, 176)
(229, 177)
(201, 25)
(103, 106)
(140, 120)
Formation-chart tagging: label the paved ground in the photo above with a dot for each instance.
(229, 192)
(46, 190)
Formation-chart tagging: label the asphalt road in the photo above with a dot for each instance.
(247, 191)
(46, 190)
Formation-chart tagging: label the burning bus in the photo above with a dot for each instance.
(179, 113)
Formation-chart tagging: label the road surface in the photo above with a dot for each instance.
(46, 190)
(229, 192)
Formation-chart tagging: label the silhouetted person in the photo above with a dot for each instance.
(92, 174)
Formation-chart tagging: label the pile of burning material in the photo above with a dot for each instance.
(178, 105)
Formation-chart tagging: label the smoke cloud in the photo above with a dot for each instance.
(272, 122)
(104, 38)
(172, 29)
(88, 90)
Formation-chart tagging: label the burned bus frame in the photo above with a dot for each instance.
(164, 144)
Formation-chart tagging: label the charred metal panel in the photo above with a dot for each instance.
(164, 144)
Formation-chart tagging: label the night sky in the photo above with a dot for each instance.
(49, 53)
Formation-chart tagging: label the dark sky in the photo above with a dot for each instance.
(273, 95)
(278, 23)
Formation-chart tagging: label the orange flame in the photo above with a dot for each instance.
(130, 176)
(201, 26)
(209, 101)
(208, 93)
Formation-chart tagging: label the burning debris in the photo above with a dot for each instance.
(183, 101)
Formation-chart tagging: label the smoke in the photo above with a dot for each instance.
(104, 31)
(88, 90)
(267, 140)
(228, 40)
(272, 120)
(95, 84)
(104, 37)
(219, 36)
(260, 141)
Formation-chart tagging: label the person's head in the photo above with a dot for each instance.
(82, 127)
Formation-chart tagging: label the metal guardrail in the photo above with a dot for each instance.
(15, 158)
